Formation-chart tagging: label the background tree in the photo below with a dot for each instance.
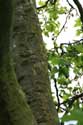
(31, 63)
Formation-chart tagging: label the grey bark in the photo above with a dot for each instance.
(13, 105)
(31, 63)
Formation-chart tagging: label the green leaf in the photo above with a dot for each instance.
(78, 32)
(75, 114)
(79, 48)
(77, 22)
(40, 2)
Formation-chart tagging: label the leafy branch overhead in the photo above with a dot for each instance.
(65, 58)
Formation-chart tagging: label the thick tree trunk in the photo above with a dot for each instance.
(31, 63)
(13, 106)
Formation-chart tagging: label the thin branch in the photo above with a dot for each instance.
(46, 3)
(70, 102)
(63, 25)
(76, 42)
(72, 99)
(70, 4)
(57, 94)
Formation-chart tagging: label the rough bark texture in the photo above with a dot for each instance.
(31, 63)
(13, 105)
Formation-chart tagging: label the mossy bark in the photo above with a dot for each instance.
(31, 63)
(13, 106)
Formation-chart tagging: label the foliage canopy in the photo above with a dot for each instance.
(65, 59)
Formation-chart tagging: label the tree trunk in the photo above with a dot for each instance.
(31, 63)
(13, 106)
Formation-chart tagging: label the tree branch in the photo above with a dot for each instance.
(72, 99)
(57, 94)
(70, 4)
(73, 43)
(80, 8)
(46, 3)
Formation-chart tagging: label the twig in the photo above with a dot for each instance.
(70, 4)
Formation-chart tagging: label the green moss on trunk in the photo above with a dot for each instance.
(13, 106)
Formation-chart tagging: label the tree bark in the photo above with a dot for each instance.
(13, 106)
(31, 63)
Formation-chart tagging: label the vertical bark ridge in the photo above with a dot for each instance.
(31, 63)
